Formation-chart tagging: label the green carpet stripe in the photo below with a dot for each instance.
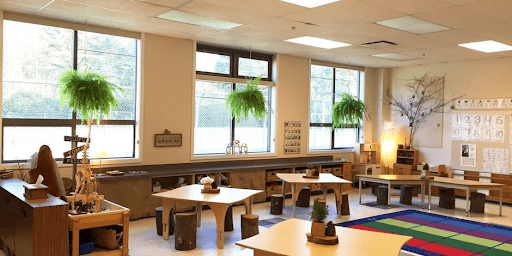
(495, 252)
(462, 245)
(435, 231)
(398, 223)
(404, 231)
(476, 240)
(504, 247)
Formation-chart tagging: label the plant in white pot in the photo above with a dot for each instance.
(92, 96)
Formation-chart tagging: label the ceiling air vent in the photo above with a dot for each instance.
(378, 44)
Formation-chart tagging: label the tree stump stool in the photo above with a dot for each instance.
(447, 198)
(249, 225)
(160, 224)
(477, 202)
(228, 220)
(406, 194)
(375, 188)
(382, 195)
(345, 205)
(186, 232)
(276, 204)
(303, 199)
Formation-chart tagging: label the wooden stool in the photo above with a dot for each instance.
(345, 205)
(186, 231)
(303, 199)
(382, 195)
(276, 204)
(160, 225)
(249, 225)
(447, 198)
(228, 220)
(406, 194)
(477, 202)
(375, 187)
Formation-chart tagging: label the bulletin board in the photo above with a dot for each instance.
(481, 137)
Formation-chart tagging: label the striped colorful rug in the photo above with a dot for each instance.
(440, 235)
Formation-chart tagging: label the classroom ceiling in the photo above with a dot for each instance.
(267, 23)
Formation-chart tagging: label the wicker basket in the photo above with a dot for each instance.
(109, 237)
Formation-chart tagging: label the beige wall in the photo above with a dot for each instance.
(475, 79)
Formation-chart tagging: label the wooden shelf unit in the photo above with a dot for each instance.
(369, 153)
(406, 161)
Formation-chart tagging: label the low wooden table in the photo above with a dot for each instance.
(394, 180)
(219, 203)
(289, 238)
(468, 185)
(298, 182)
(113, 215)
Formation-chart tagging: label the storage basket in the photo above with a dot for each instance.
(86, 247)
(109, 237)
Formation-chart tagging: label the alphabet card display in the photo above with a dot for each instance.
(478, 127)
(495, 160)
(292, 137)
(483, 103)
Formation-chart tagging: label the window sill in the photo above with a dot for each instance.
(329, 151)
(229, 157)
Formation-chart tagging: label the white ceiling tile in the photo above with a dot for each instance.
(82, 18)
(452, 17)
(19, 7)
(290, 26)
(177, 26)
(461, 2)
(130, 6)
(454, 36)
(218, 11)
(495, 9)
(39, 3)
(488, 28)
(98, 12)
(158, 31)
(167, 3)
(273, 8)
(410, 6)
(323, 19)
(357, 10)
(261, 32)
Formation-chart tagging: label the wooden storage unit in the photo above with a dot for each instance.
(251, 179)
(32, 227)
(406, 161)
(273, 185)
(113, 215)
(507, 190)
(369, 153)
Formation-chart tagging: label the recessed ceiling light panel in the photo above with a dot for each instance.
(193, 19)
(487, 46)
(317, 42)
(394, 56)
(412, 25)
(310, 3)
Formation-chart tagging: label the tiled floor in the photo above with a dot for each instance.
(145, 241)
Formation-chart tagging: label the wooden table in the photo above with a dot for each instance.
(394, 180)
(219, 203)
(113, 215)
(289, 238)
(468, 185)
(298, 182)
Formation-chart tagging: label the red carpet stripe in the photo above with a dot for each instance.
(368, 228)
(446, 250)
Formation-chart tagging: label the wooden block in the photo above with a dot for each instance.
(327, 240)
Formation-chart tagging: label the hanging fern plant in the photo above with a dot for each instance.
(248, 100)
(349, 112)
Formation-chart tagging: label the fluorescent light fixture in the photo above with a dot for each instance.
(487, 46)
(310, 3)
(412, 25)
(193, 19)
(394, 56)
(317, 42)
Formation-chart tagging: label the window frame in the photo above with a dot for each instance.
(360, 91)
(235, 55)
(73, 122)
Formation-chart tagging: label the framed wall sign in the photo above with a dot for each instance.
(167, 140)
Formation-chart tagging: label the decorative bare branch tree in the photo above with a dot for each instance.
(426, 98)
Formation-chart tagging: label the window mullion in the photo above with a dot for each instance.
(333, 101)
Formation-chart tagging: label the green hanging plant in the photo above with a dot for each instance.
(88, 93)
(248, 100)
(348, 112)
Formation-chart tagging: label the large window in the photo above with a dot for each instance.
(34, 57)
(221, 71)
(327, 85)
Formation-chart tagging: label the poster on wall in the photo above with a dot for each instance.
(495, 160)
(468, 155)
(478, 127)
(292, 137)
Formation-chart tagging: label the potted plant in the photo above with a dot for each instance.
(349, 112)
(207, 182)
(318, 216)
(92, 96)
(250, 99)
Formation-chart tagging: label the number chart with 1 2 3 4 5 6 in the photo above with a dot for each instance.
(478, 127)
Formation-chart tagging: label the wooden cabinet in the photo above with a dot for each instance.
(369, 153)
(406, 161)
(32, 227)
(274, 185)
(251, 179)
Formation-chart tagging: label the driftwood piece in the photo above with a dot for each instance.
(249, 225)
(186, 232)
